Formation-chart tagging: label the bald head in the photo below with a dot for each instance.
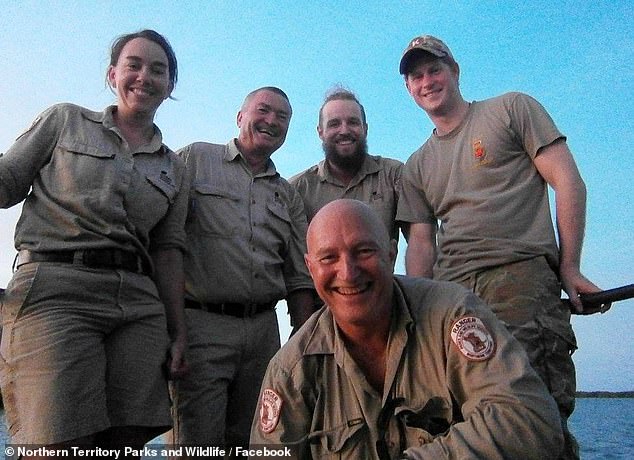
(345, 213)
(351, 260)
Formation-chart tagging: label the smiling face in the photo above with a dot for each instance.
(263, 122)
(433, 83)
(140, 78)
(351, 259)
(343, 132)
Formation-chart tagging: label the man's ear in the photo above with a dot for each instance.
(407, 84)
(456, 70)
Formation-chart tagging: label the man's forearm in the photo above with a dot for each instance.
(419, 262)
(570, 204)
(420, 255)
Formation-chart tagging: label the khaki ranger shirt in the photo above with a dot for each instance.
(246, 234)
(85, 188)
(457, 385)
(376, 183)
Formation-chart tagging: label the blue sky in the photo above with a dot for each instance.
(576, 57)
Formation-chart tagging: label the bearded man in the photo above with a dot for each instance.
(348, 171)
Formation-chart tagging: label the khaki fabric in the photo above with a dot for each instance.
(214, 404)
(451, 407)
(89, 190)
(246, 235)
(246, 239)
(496, 233)
(82, 349)
(377, 183)
(480, 183)
(526, 297)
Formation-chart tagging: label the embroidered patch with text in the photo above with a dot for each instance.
(270, 409)
(472, 338)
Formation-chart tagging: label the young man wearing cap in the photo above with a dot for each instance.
(476, 198)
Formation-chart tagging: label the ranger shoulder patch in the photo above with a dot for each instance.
(472, 338)
(270, 409)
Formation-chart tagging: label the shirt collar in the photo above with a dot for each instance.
(106, 118)
(326, 339)
(232, 153)
(369, 166)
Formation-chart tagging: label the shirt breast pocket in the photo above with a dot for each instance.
(165, 184)
(342, 442)
(80, 167)
(157, 198)
(82, 148)
(215, 211)
(279, 220)
(384, 204)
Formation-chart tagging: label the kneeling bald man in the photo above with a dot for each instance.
(397, 367)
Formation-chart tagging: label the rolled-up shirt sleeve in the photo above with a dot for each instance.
(170, 231)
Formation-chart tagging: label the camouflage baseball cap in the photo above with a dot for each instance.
(426, 43)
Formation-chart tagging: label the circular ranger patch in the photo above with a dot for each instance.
(270, 408)
(472, 338)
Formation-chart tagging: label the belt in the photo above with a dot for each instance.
(239, 310)
(92, 258)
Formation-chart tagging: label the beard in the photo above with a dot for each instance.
(348, 162)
